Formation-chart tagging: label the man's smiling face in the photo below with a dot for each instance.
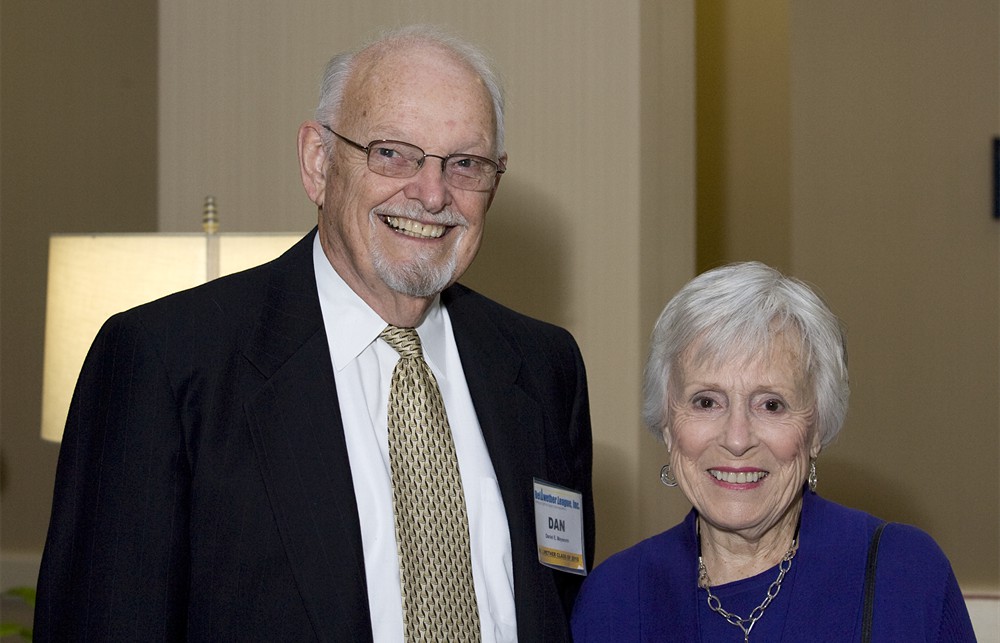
(414, 236)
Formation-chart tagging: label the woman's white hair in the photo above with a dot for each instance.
(734, 313)
(339, 69)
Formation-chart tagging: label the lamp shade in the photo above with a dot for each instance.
(92, 277)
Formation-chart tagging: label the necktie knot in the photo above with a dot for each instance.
(404, 341)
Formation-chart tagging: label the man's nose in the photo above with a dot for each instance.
(429, 186)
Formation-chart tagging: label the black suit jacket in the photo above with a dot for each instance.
(204, 490)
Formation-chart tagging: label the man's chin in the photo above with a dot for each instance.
(417, 282)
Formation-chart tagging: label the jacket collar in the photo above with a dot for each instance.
(294, 418)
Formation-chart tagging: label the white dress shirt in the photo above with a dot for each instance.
(362, 366)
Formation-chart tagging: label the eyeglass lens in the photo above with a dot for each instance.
(403, 160)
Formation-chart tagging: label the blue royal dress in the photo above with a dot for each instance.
(649, 592)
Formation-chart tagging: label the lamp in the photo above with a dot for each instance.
(93, 276)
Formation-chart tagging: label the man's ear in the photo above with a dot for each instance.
(496, 181)
(313, 161)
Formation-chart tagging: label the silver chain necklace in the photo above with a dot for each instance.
(746, 624)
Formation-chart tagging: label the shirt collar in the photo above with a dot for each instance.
(352, 325)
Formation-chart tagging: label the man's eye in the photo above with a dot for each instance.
(387, 152)
(467, 165)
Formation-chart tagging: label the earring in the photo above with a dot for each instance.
(667, 476)
(812, 475)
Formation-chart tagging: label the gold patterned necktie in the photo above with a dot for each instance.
(432, 528)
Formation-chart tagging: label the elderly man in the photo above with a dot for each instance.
(342, 444)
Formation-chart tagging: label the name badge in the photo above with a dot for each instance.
(559, 527)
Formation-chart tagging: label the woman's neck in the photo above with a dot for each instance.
(733, 555)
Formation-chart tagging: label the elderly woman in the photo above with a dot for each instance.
(746, 383)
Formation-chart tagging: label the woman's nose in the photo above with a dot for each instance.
(738, 431)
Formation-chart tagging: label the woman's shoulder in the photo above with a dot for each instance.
(653, 564)
(835, 518)
(910, 547)
(843, 537)
(912, 565)
(613, 602)
(837, 525)
(626, 565)
(663, 549)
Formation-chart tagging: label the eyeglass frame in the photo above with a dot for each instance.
(500, 169)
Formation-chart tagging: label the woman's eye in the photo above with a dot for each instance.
(773, 406)
(704, 403)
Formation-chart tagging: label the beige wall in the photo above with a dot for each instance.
(744, 139)
(894, 105)
(78, 154)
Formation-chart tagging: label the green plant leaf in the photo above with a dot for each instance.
(13, 629)
(26, 594)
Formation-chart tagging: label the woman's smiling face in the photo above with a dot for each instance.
(741, 434)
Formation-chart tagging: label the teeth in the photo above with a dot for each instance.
(413, 228)
(738, 478)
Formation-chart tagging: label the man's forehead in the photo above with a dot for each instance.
(404, 59)
(384, 83)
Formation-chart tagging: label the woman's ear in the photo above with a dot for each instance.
(313, 163)
(667, 439)
(816, 446)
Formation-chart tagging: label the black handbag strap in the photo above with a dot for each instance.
(869, 609)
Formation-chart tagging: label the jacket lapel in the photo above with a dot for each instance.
(513, 429)
(297, 431)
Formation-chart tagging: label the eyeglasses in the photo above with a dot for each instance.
(401, 160)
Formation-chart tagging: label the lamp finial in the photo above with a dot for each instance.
(210, 216)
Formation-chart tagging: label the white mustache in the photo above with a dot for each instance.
(446, 217)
